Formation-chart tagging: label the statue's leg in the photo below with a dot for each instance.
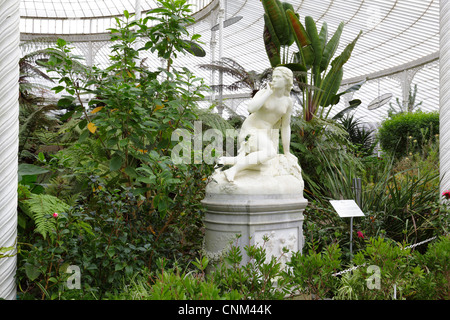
(266, 152)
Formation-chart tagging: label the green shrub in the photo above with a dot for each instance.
(313, 272)
(173, 284)
(407, 132)
(385, 268)
(435, 283)
(262, 277)
(126, 130)
(42, 264)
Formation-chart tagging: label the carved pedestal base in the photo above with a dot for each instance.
(253, 216)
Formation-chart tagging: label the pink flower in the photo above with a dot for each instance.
(446, 194)
(360, 234)
(55, 215)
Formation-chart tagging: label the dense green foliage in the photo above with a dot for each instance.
(129, 201)
(100, 194)
(405, 133)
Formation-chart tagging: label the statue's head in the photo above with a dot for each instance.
(288, 77)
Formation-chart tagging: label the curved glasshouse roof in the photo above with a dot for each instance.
(399, 46)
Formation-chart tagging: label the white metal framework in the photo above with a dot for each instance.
(9, 142)
(398, 36)
(444, 108)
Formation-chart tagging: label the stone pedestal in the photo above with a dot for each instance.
(267, 202)
(279, 217)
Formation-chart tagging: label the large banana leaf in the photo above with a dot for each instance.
(311, 29)
(329, 87)
(273, 9)
(331, 47)
(306, 52)
(288, 6)
(323, 35)
(286, 36)
(300, 35)
(271, 42)
(270, 28)
(333, 79)
(295, 67)
(345, 55)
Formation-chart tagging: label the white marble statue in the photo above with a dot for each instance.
(259, 191)
(269, 116)
(270, 110)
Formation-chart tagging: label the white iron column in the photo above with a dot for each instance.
(213, 59)
(9, 132)
(444, 96)
(221, 19)
(138, 9)
(137, 44)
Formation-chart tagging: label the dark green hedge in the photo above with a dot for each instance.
(407, 132)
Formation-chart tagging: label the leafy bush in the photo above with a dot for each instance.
(435, 282)
(174, 284)
(313, 271)
(385, 267)
(407, 132)
(127, 128)
(43, 263)
(262, 277)
(106, 242)
(134, 203)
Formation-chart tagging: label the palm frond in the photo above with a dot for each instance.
(217, 66)
(244, 79)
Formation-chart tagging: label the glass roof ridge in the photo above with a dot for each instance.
(396, 34)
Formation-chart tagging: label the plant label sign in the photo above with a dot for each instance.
(346, 208)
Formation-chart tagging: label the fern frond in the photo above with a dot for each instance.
(42, 206)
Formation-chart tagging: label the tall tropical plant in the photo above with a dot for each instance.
(362, 139)
(244, 79)
(29, 71)
(132, 123)
(318, 74)
(34, 113)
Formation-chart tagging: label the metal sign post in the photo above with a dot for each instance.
(347, 209)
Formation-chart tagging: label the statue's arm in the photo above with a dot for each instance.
(259, 99)
(286, 129)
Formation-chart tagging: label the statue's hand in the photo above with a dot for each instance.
(222, 161)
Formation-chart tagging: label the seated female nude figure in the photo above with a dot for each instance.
(270, 109)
